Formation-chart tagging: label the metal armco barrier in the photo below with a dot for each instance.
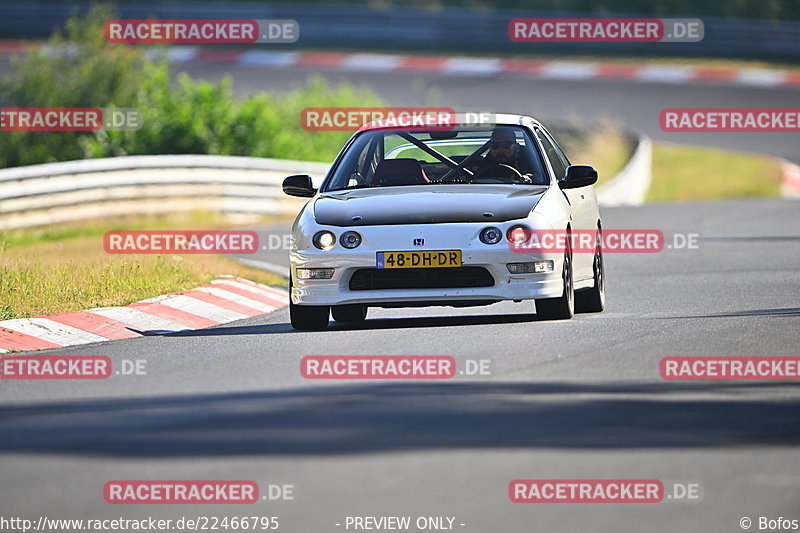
(75, 190)
(630, 185)
(449, 29)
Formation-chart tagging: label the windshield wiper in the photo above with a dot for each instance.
(351, 187)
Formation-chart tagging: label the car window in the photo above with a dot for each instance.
(360, 158)
(448, 148)
(392, 158)
(557, 159)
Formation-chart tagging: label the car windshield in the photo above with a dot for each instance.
(390, 158)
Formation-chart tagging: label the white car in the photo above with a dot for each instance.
(413, 217)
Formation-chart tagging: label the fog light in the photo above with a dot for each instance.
(314, 273)
(491, 235)
(539, 267)
(324, 240)
(350, 239)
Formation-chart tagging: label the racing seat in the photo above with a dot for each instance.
(401, 171)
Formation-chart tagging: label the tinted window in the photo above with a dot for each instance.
(554, 154)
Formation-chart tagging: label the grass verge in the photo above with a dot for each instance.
(682, 173)
(45, 271)
(607, 150)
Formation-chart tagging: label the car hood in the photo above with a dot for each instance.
(426, 204)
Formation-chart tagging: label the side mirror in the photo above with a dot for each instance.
(578, 176)
(299, 185)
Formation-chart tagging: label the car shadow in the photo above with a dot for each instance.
(256, 329)
(370, 324)
(781, 312)
(403, 417)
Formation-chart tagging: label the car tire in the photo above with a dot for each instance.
(563, 307)
(593, 300)
(308, 317)
(349, 313)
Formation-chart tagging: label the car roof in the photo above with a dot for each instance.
(445, 118)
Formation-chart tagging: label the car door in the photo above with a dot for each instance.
(581, 200)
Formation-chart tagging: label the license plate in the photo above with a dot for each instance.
(419, 259)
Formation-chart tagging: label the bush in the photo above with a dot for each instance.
(79, 68)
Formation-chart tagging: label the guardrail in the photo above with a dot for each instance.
(325, 25)
(61, 192)
(630, 185)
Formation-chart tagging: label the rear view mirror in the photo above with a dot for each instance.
(299, 185)
(443, 135)
(578, 176)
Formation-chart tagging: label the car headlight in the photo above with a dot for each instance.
(518, 234)
(324, 240)
(350, 239)
(491, 235)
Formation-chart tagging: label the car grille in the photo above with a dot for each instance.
(420, 278)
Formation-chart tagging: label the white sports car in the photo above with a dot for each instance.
(421, 217)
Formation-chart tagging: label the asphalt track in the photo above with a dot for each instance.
(568, 399)
(633, 104)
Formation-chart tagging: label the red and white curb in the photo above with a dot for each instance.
(223, 300)
(790, 183)
(478, 66)
(481, 66)
(15, 46)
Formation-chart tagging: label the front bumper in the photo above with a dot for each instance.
(493, 258)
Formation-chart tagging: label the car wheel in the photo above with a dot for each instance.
(308, 317)
(349, 313)
(593, 300)
(562, 307)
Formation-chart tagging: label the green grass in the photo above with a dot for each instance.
(682, 173)
(605, 148)
(99, 226)
(52, 270)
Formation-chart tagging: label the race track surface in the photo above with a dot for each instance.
(567, 399)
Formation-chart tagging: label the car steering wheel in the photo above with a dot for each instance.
(494, 167)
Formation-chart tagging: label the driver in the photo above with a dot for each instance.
(504, 150)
